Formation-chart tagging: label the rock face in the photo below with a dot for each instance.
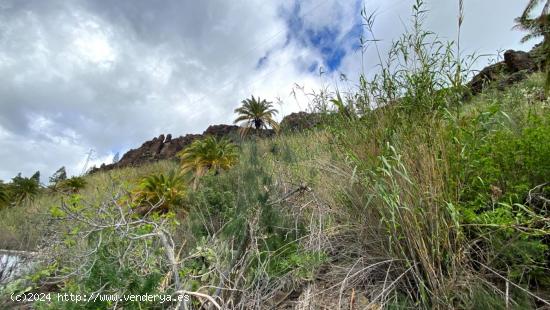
(166, 147)
(486, 76)
(157, 149)
(300, 121)
(232, 131)
(517, 61)
(513, 69)
(221, 130)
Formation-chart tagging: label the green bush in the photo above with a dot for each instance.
(107, 276)
(502, 159)
(504, 153)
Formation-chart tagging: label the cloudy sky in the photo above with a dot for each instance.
(107, 75)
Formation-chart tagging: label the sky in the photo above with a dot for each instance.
(107, 75)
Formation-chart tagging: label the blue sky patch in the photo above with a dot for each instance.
(329, 41)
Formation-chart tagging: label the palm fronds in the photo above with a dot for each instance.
(73, 185)
(256, 113)
(24, 189)
(537, 27)
(208, 154)
(168, 188)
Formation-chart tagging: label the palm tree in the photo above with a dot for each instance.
(537, 27)
(24, 189)
(73, 185)
(59, 176)
(208, 154)
(170, 189)
(257, 113)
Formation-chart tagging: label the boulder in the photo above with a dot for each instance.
(171, 149)
(232, 131)
(518, 61)
(221, 130)
(300, 121)
(516, 67)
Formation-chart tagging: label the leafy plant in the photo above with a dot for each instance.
(421, 73)
(59, 176)
(104, 247)
(208, 154)
(256, 113)
(24, 189)
(73, 185)
(537, 27)
(346, 111)
(113, 277)
(410, 204)
(167, 189)
(503, 156)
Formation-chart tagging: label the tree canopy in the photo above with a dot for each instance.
(256, 113)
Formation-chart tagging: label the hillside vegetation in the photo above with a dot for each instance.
(409, 194)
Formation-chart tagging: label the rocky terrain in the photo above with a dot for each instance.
(165, 147)
(516, 67)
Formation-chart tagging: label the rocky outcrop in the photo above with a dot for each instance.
(518, 60)
(300, 121)
(485, 77)
(165, 147)
(158, 148)
(515, 67)
(221, 130)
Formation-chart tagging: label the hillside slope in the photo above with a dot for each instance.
(413, 191)
(349, 215)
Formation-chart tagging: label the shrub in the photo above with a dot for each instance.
(167, 191)
(503, 157)
(24, 189)
(208, 154)
(72, 185)
(104, 247)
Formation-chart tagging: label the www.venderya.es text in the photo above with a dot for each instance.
(94, 297)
